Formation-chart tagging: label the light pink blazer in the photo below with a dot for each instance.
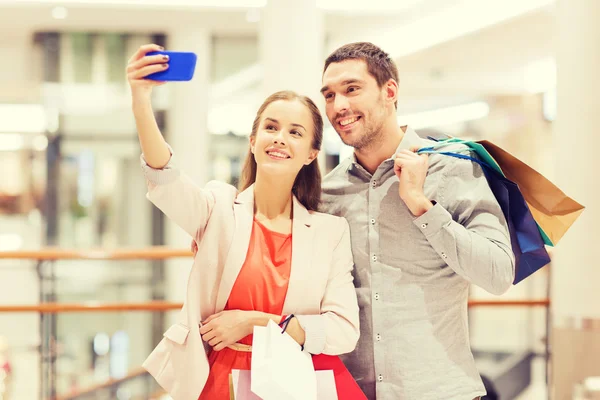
(320, 293)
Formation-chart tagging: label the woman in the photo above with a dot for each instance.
(263, 254)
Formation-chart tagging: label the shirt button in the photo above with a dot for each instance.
(380, 378)
(374, 258)
(372, 221)
(444, 256)
(374, 183)
(378, 337)
(423, 226)
(376, 296)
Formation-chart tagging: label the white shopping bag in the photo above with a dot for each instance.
(279, 368)
(240, 386)
(241, 382)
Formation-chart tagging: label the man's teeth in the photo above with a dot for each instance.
(347, 121)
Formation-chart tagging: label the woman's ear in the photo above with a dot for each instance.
(252, 143)
(311, 156)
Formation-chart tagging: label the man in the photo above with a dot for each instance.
(423, 228)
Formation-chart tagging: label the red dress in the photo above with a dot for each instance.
(262, 286)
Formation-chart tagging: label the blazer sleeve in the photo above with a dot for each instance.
(182, 200)
(336, 330)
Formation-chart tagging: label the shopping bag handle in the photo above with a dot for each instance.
(431, 150)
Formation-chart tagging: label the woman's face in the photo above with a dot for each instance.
(283, 142)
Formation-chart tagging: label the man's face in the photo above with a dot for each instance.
(354, 103)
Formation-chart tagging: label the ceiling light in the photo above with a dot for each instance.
(156, 3)
(11, 142)
(22, 118)
(361, 6)
(10, 242)
(60, 13)
(39, 143)
(253, 15)
(446, 116)
(540, 76)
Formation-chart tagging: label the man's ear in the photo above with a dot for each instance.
(391, 91)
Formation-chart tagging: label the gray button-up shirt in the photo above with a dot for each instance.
(412, 275)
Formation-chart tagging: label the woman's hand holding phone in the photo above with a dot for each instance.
(141, 65)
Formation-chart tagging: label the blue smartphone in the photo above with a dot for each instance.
(181, 66)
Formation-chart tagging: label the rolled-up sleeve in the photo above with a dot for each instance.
(468, 229)
(162, 176)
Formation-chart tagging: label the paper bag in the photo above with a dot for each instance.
(552, 209)
(241, 383)
(279, 367)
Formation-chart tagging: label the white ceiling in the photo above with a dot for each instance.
(485, 61)
(496, 60)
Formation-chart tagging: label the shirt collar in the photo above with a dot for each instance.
(409, 140)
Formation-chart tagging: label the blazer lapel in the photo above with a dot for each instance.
(243, 209)
(302, 250)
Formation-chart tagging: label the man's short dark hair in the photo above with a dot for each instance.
(379, 63)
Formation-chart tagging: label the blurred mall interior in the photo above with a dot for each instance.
(85, 293)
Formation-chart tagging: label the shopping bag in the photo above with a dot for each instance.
(239, 386)
(241, 382)
(526, 240)
(553, 211)
(279, 367)
(345, 386)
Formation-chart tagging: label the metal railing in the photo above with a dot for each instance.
(47, 309)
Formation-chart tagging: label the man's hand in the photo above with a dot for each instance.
(411, 170)
(226, 327)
